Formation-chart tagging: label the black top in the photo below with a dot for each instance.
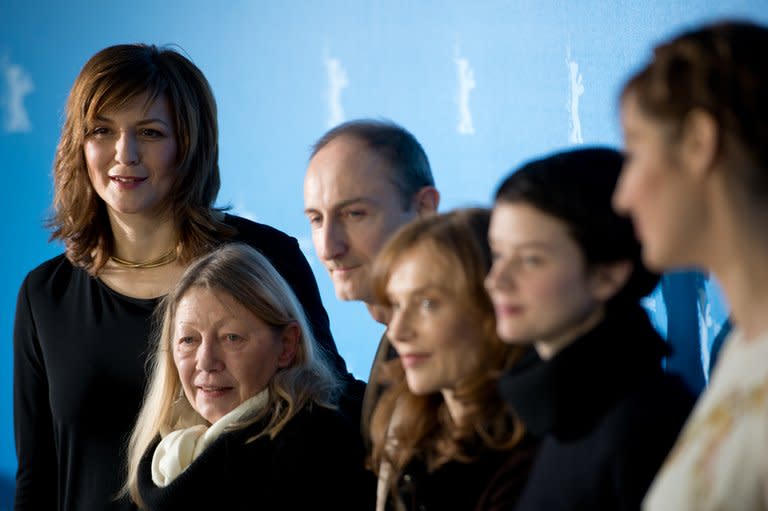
(491, 482)
(607, 414)
(315, 462)
(79, 373)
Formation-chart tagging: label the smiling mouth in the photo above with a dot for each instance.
(213, 390)
(127, 179)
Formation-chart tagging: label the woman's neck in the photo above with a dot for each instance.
(548, 348)
(744, 279)
(456, 409)
(138, 238)
(737, 253)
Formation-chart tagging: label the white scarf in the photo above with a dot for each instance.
(178, 449)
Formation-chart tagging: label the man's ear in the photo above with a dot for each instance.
(426, 201)
(290, 342)
(700, 142)
(607, 279)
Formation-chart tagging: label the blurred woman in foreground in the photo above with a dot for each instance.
(442, 438)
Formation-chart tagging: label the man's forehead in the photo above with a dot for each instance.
(350, 153)
(346, 169)
(340, 193)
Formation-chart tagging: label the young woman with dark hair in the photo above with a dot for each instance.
(567, 278)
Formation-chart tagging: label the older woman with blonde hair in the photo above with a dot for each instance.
(442, 438)
(239, 412)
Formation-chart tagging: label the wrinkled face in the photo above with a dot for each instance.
(353, 208)
(224, 353)
(658, 192)
(538, 283)
(131, 154)
(439, 339)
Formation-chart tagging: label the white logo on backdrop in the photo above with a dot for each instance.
(576, 90)
(17, 85)
(337, 81)
(466, 78)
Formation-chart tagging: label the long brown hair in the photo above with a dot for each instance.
(424, 429)
(110, 79)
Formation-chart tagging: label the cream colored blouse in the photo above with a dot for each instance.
(720, 461)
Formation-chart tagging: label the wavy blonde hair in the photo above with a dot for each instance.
(424, 428)
(248, 277)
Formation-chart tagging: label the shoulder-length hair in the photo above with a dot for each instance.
(110, 79)
(423, 427)
(248, 277)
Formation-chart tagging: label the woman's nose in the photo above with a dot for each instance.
(208, 356)
(127, 150)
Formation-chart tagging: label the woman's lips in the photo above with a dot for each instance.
(213, 391)
(508, 310)
(414, 359)
(127, 182)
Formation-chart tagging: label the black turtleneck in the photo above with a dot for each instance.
(606, 412)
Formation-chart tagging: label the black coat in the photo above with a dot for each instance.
(491, 482)
(80, 351)
(607, 415)
(315, 462)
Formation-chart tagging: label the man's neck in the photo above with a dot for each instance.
(379, 313)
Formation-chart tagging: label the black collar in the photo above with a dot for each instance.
(569, 393)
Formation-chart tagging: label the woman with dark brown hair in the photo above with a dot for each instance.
(442, 438)
(136, 176)
(695, 123)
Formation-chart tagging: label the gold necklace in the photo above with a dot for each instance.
(164, 259)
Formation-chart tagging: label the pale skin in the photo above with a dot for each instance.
(130, 154)
(438, 339)
(729, 236)
(542, 291)
(353, 208)
(224, 353)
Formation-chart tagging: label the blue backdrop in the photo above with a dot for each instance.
(483, 85)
